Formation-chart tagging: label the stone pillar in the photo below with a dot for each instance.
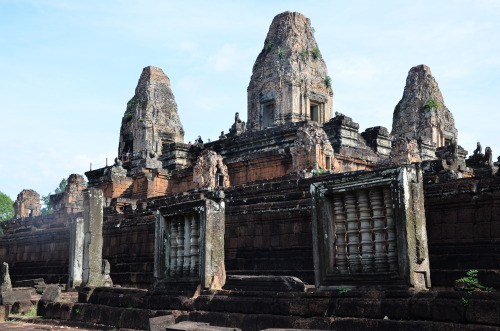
(76, 240)
(93, 199)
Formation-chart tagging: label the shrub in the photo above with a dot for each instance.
(316, 53)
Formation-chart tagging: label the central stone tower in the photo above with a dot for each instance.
(290, 82)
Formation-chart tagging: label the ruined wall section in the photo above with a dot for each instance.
(71, 200)
(27, 204)
(289, 77)
(37, 247)
(151, 117)
(421, 113)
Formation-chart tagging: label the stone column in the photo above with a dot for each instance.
(76, 239)
(92, 248)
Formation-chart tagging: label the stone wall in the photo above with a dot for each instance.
(268, 231)
(463, 226)
(37, 248)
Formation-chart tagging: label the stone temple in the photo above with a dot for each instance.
(293, 220)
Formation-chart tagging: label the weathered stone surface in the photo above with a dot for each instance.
(210, 171)
(404, 151)
(421, 113)
(5, 283)
(264, 283)
(151, 117)
(27, 204)
(10, 297)
(160, 323)
(51, 293)
(289, 81)
(77, 237)
(312, 149)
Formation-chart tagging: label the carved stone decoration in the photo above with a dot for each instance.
(391, 236)
(421, 112)
(210, 171)
(386, 235)
(404, 151)
(365, 230)
(151, 117)
(27, 204)
(290, 81)
(340, 230)
(189, 243)
(312, 149)
(379, 217)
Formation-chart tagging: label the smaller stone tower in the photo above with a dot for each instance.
(290, 82)
(151, 118)
(421, 113)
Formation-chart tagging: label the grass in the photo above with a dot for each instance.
(316, 53)
(328, 81)
(281, 53)
(32, 311)
(304, 54)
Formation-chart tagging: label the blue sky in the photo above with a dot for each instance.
(68, 68)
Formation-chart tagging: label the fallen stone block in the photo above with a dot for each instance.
(51, 293)
(4, 313)
(198, 326)
(10, 297)
(30, 282)
(21, 307)
(161, 323)
(264, 283)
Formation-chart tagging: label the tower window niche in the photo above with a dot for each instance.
(314, 112)
(267, 114)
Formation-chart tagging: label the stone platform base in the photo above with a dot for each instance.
(250, 311)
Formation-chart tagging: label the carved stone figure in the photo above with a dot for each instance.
(479, 149)
(238, 126)
(487, 159)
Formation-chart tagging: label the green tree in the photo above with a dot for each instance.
(49, 208)
(6, 207)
